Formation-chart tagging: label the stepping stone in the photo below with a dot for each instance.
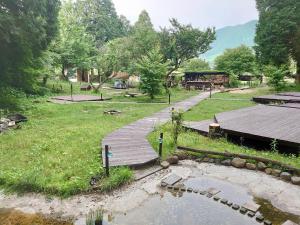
(189, 189)
(209, 195)
(267, 222)
(224, 201)
(213, 191)
(243, 210)
(202, 192)
(140, 174)
(235, 207)
(260, 218)
(288, 222)
(216, 198)
(229, 204)
(170, 187)
(252, 206)
(251, 214)
(183, 189)
(172, 179)
(195, 191)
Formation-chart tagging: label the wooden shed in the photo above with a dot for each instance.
(205, 79)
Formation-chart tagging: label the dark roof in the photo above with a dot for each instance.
(205, 73)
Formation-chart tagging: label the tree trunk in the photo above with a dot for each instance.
(63, 75)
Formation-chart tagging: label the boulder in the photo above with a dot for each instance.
(285, 176)
(268, 170)
(295, 180)
(172, 159)
(276, 172)
(238, 162)
(226, 162)
(261, 166)
(250, 166)
(165, 164)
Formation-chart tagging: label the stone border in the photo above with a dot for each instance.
(254, 165)
(259, 218)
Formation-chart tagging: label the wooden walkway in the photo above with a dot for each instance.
(287, 97)
(129, 145)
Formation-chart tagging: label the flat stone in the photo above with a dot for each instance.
(170, 187)
(209, 195)
(267, 222)
(216, 198)
(235, 207)
(176, 188)
(268, 170)
(250, 166)
(226, 162)
(202, 192)
(276, 172)
(288, 222)
(251, 214)
(211, 160)
(183, 189)
(229, 204)
(243, 210)
(295, 180)
(238, 162)
(213, 191)
(195, 191)
(285, 176)
(260, 218)
(205, 159)
(261, 166)
(165, 164)
(163, 184)
(224, 201)
(172, 179)
(173, 159)
(190, 189)
(217, 161)
(252, 206)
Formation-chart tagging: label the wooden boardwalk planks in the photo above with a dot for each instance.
(288, 97)
(129, 145)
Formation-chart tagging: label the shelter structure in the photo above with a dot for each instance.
(201, 80)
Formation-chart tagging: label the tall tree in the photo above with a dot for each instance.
(278, 32)
(236, 60)
(183, 42)
(195, 65)
(27, 28)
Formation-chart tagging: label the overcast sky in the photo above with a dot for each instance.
(200, 13)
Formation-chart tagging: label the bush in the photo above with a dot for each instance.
(276, 76)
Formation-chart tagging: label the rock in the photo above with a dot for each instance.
(276, 172)
(295, 180)
(235, 207)
(250, 166)
(172, 159)
(182, 155)
(211, 160)
(217, 161)
(267, 222)
(251, 214)
(285, 176)
(226, 162)
(165, 164)
(205, 159)
(243, 210)
(260, 218)
(268, 170)
(11, 123)
(261, 166)
(199, 160)
(224, 201)
(238, 162)
(17, 118)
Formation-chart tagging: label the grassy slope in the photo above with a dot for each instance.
(57, 150)
(206, 110)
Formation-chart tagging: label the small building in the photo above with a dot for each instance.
(123, 80)
(200, 80)
(250, 77)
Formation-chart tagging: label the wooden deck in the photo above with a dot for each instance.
(129, 145)
(287, 97)
(264, 122)
(201, 127)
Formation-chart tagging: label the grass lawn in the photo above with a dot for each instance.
(206, 110)
(58, 150)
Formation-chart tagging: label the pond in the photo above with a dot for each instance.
(176, 208)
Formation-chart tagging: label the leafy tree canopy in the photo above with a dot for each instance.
(278, 31)
(195, 65)
(27, 28)
(183, 42)
(236, 61)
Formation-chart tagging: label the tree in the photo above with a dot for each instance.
(276, 76)
(195, 65)
(151, 69)
(236, 60)
(278, 32)
(183, 42)
(27, 28)
(75, 47)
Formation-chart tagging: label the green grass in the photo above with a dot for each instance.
(206, 110)
(58, 150)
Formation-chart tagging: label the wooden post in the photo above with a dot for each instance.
(210, 90)
(214, 130)
(161, 138)
(71, 91)
(172, 114)
(106, 161)
(169, 98)
(101, 97)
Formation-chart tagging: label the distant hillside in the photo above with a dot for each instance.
(231, 37)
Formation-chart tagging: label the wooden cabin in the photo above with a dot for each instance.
(201, 80)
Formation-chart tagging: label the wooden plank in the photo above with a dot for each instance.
(172, 179)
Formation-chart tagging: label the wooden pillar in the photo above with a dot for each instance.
(214, 130)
